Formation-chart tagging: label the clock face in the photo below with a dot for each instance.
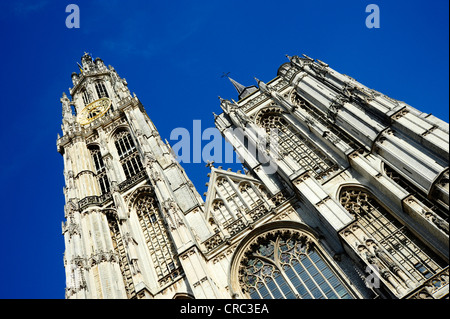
(93, 111)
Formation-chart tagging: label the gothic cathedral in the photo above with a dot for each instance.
(346, 197)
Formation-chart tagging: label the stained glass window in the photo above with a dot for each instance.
(289, 266)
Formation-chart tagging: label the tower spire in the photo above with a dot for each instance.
(238, 86)
(242, 90)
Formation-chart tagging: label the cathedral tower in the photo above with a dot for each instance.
(344, 195)
(128, 201)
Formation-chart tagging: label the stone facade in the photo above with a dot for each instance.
(346, 196)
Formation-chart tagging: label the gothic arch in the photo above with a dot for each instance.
(380, 238)
(299, 150)
(256, 184)
(119, 128)
(126, 152)
(393, 211)
(140, 191)
(272, 109)
(253, 193)
(292, 264)
(154, 230)
(93, 145)
(100, 88)
(183, 295)
(382, 167)
(296, 99)
(354, 184)
(98, 164)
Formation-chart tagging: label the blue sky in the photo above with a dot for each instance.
(172, 55)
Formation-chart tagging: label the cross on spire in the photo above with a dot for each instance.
(209, 164)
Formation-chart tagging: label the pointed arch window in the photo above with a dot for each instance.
(128, 155)
(119, 248)
(86, 98)
(102, 178)
(251, 194)
(288, 265)
(157, 239)
(292, 143)
(225, 188)
(101, 89)
(381, 240)
(221, 213)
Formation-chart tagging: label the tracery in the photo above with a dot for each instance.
(291, 142)
(383, 240)
(288, 265)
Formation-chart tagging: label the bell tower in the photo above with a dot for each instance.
(128, 200)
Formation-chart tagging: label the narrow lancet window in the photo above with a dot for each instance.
(129, 157)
